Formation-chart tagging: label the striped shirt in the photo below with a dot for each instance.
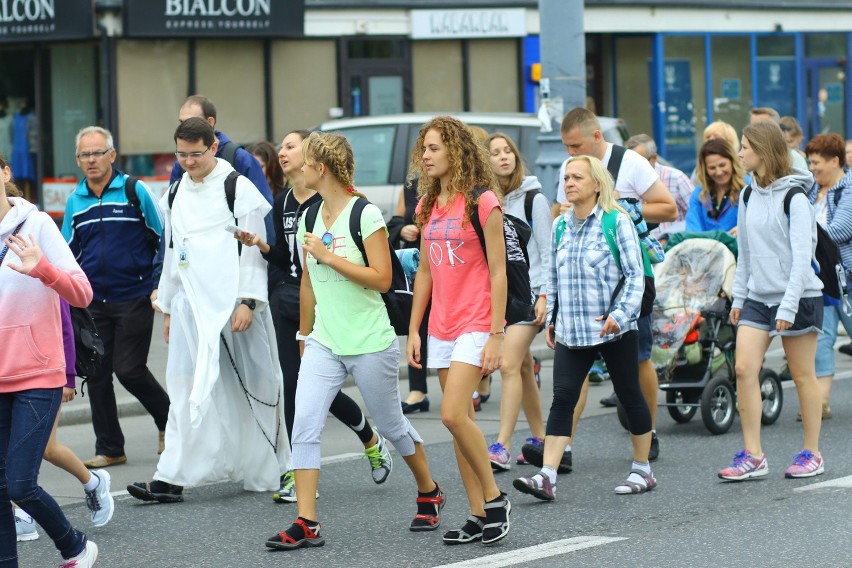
(583, 275)
(839, 226)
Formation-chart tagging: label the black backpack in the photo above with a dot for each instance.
(398, 299)
(519, 296)
(230, 198)
(827, 254)
(88, 345)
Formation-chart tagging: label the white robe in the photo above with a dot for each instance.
(221, 426)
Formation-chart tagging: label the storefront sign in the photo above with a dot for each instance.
(680, 114)
(459, 24)
(776, 84)
(214, 18)
(27, 20)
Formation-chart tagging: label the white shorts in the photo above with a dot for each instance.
(466, 348)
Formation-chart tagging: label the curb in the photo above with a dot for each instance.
(128, 406)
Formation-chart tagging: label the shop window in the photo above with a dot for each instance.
(633, 87)
(493, 75)
(437, 63)
(375, 49)
(731, 77)
(72, 106)
(375, 76)
(299, 99)
(825, 45)
(231, 74)
(776, 46)
(776, 73)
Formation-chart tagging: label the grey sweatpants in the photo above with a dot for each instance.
(321, 377)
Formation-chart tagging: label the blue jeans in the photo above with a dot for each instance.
(26, 420)
(825, 342)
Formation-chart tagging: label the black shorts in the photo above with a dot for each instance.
(760, 316)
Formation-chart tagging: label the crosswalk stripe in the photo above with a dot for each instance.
(531, 553)
(842, 482)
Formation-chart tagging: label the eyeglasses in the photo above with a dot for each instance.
(193, 155)
(96, 154)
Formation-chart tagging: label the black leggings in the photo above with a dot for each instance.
(570, 367)
(342, 407)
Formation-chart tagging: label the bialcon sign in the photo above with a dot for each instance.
(23, 20)
(214, 18)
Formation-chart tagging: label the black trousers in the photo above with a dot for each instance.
(570, 367)
(417, 377)
(125, 328)
(342, 407)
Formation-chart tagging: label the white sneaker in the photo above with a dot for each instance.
(85, 559)
(99, 501)
(25, 526)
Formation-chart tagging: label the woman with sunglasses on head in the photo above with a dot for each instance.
(345, 329)
(36, 269)
(715, 202)
(285, 258)
(776, 292)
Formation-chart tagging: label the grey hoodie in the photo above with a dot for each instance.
(774, 264)
(538, 248)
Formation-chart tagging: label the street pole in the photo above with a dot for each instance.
(563, 70)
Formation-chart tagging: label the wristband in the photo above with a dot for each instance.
(496, 333)
(300, 337)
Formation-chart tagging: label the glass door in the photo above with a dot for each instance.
(375, 76)
(826, 98)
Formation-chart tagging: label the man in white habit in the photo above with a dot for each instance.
(226, 420)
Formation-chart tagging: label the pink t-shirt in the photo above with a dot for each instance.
(461, 284)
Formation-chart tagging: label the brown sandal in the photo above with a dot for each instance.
(628, 487)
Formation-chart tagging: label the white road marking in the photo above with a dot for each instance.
(532, 553)
(341, 458)
(841, 482)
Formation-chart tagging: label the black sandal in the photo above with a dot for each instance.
(470, 532)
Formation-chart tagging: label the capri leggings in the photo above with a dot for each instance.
(321, 377)
(570, 367)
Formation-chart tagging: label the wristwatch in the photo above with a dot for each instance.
(250, 303)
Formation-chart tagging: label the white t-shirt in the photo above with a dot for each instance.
(635, 177)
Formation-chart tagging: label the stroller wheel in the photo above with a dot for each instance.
(718, 405)
(680, 414)
(772, 396)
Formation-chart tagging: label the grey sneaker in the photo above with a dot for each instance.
(99, 501)
(25, 526)
(381, 461)
(287, 493)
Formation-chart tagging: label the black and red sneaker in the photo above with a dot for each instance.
(299, 535)
(428, 517)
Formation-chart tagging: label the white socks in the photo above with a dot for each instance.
(92, 484)
(549, 472)
(641, 466)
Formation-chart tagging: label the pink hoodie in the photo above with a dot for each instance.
(31, 353)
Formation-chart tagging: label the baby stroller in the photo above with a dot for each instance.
(694, 341)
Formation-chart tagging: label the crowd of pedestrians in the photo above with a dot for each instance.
(303, 270)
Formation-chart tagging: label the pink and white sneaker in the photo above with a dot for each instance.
(745, 466)
(805, 464)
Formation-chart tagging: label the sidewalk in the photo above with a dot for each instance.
(78, 411)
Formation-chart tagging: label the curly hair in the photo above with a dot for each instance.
(334, 151)
(469, 167)
(719, 147)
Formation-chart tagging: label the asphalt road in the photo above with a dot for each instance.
(691, 519)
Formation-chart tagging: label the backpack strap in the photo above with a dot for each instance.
(528, 205)
(172, 194)
(615, 159)
(746, 194)
(229, 152)
(310, 217)
(608, 224)
(130, 194)
(789, 197)
(477, 224)
(355, 226)
(230, 198)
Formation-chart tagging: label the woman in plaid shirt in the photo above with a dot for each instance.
(600, 319)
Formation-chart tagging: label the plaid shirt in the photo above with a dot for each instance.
(681, 188)
(583, 274)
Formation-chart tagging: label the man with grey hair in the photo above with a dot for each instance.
(113, 226)
(676, 182)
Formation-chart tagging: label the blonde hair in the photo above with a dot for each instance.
(603, 180)
(767, 141)
(719, 147)
(516, 178)
(11, 189)
(333, 151)
(723, 130)
(469, 166)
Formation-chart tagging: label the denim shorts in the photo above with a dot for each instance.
(646, 338)
(825, 343)
(760, 316)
